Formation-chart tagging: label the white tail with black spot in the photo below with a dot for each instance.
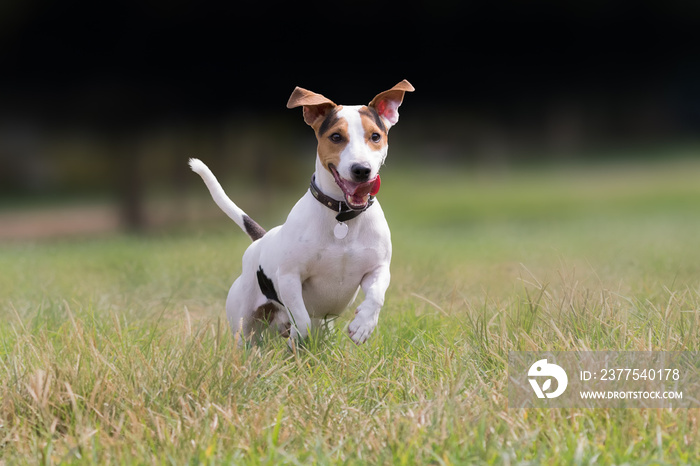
(234, 212)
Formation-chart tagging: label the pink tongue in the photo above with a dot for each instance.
(363, 189)
(375, 186)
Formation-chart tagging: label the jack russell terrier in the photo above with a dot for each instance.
(335, 239)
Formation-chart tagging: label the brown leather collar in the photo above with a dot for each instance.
(345, 212)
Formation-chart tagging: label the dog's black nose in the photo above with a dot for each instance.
(361, 171)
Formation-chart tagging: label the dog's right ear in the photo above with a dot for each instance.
(315, 105)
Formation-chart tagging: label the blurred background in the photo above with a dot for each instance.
(102, 103)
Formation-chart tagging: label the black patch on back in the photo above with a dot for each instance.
(330, 120)
(254, 230)
(266, 286)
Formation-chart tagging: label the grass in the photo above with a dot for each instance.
(116, 350)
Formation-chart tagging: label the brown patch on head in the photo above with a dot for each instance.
(332, 135)
(375, 131)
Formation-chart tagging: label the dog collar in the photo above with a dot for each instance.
(345, 212)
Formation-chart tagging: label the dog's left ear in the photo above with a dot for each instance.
(315, 105)
(387, 103)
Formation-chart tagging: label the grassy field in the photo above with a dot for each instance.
(116, 350)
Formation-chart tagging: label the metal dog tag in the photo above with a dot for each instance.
(340, 230)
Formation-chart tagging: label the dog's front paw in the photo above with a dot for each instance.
(361, 328)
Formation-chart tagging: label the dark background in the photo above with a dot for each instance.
(113, 96)
(132, 62)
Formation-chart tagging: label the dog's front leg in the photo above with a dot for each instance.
(374, 285)
(290, 294)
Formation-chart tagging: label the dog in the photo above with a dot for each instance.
(335, 240)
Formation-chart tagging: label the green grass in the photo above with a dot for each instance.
(116, 350)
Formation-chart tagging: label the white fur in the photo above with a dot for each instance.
(315, 274)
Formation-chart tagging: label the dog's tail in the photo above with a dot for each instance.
(246, 223)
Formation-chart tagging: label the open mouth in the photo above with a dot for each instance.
(356, 194)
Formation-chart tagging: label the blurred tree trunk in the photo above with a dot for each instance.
(130, 184)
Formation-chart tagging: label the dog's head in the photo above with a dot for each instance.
(352, 140)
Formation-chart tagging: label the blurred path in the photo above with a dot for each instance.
(101, 218)
(58, 222)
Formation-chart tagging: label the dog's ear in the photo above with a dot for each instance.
(387, 103)
(315, 105)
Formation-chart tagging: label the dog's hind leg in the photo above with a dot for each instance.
(240, 311)
(280, 322)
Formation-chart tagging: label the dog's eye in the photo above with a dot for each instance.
(336, 138)
(376, 137)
